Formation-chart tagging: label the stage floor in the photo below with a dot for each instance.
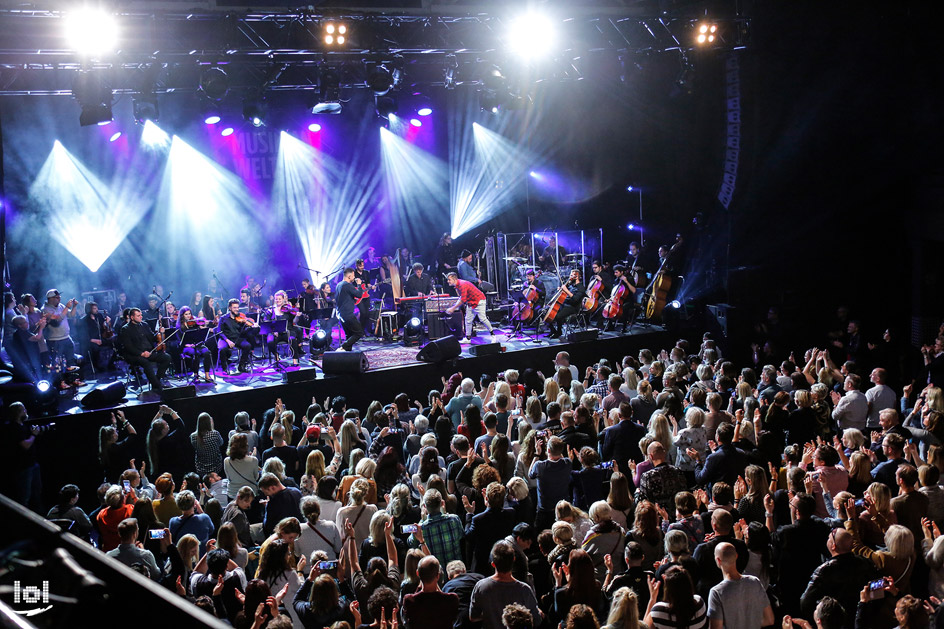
(381, 356)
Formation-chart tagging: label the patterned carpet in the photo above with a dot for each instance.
(391, 357)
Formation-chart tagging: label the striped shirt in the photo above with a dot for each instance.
(662, 618)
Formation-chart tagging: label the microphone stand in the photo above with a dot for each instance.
(220, 284)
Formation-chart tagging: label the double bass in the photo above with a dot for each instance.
(657, 292)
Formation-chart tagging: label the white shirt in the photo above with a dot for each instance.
(852, 411)
(879, 397)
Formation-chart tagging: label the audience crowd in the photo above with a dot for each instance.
(669, 489)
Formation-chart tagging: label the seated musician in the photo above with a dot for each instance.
(23, 348)
(192, 355)
(209, 311)
(284, 310)
(138, 343)
(234, 328)
(624, 280)
(467, 272)
(419, 284)
(575, 292)
(153, 310)
(605, 277)
(171, 311)
(246, 304)
(531, 279)
(91, 337)
(324, 300)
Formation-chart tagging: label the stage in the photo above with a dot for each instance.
(69, 451)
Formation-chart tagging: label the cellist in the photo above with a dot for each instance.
(620, 302)
(574, 292)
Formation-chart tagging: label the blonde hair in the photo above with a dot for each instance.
(315, 465)
(624, 611)
(275, 466)
(186, 547)
(631, 378)
(534, 410)
(644, 389)
(551, 390)
(855, 437)
(803, 398)
(600, 511)
(695, 417)
(366, 467)
(359, 489)
(564, 510)
(860, 467)
(659, 430)
(377, 523)
(899, 541)
(747, 431)
(517, 488)
(562, 532)
(881, 497)
(565, 402)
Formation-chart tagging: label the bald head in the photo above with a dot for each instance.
(656, 452)
(726, 555)
(428, 569)
(842, 541)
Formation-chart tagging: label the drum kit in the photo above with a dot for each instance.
(521, 267)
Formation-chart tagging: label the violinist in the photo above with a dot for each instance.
(234, 328)
(208, 311)
(324, 299)
(284, 310)
(138, 344)
(193, 355)
(575, 292)
(96, 335)
(246, 304)
(361, 282)
(171, 313)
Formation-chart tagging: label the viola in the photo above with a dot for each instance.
(594, 292)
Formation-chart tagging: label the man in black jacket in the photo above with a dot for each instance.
(232, 328)
(798, 548)
(138, 342)
(621, 441)
(486, 528)
(842, 577)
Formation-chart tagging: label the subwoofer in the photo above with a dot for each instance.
(440, 350)
(344, 362)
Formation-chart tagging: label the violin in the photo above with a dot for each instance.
(107, 332)
(241, 318)
(195, 323)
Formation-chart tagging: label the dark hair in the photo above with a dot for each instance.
(66, 494)
(273, 562)
(473, 422)
(831, 613)
(502, 556)
(581, 617)
(582, 586)
(429, 462)
(383, 600)
(217, 560)
(516, 616)
(679, 594)
(389, 468)
(725, 433)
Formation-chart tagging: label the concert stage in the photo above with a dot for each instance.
(70, 450)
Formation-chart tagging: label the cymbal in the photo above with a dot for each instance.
(514, 259)
(576, 255)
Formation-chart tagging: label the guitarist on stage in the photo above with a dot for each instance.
(349, 296)
(138, 342)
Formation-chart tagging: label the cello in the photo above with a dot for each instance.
(613, 309)
(554, 304)
(657, 293)
(523, 311)
(594, 291)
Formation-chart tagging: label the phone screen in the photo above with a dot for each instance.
(408, 528)
(157, 533)
(127, 485)
(327, 565)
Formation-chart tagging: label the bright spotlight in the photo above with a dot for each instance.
(42, 386)
(386, 106)
(254, 110)
(531, 35)
(706, 33)
(424, 111)
(629, 188)
(114, 136)
(340, 40)
(416, 122)
(314, 127)
(334, 33)
(213, 119)
(228, 131)
(153, 137)
(91, 32)
(104, 123)
(329, 29)
(342, 29)
(631, 226)
(94, 96)
(329, 96)
(319, 341)
(675, 304)
(144, 107)
(329, 39)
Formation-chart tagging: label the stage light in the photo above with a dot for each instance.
(144, 107)
(450, 68)
(114, 136)
(153, 137)
(380, 80)
(334, 33)
(631, 226)
(91, 32)
(629, 188)
(416, 122)
(535, 174)
(228, 131)
(42, 386)
(329, 95)
(94, 96)
(319, 342)
(386, 106)
(531, 35)
(254, 110)
(675, 304)
(706, 33)
(105, 123)
(314, 127)
(214, 83)
(86, 217)
(214, 119)
(412, 331)
(424, 111)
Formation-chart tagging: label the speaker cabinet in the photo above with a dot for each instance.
(105, 395)
(344, 362)
(440, 350)
(487, 349)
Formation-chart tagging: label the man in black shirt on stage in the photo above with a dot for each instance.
(138, 342)
(233, 327)
(419, 283)
(348, 298)
(90, 335)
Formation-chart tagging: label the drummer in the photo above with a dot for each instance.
(548, 259)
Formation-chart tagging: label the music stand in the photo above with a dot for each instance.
(275, 328)
(198, 338)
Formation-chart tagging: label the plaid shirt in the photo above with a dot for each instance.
(601, 388)
(442, 532)
(469, 293)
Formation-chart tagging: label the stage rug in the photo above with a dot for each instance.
(392, 357)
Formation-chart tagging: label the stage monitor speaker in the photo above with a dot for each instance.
(105, 395)
(344, 362)
(588, 334)
(487, 349)
(170, 394)
(440, 350)
(298, 375)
